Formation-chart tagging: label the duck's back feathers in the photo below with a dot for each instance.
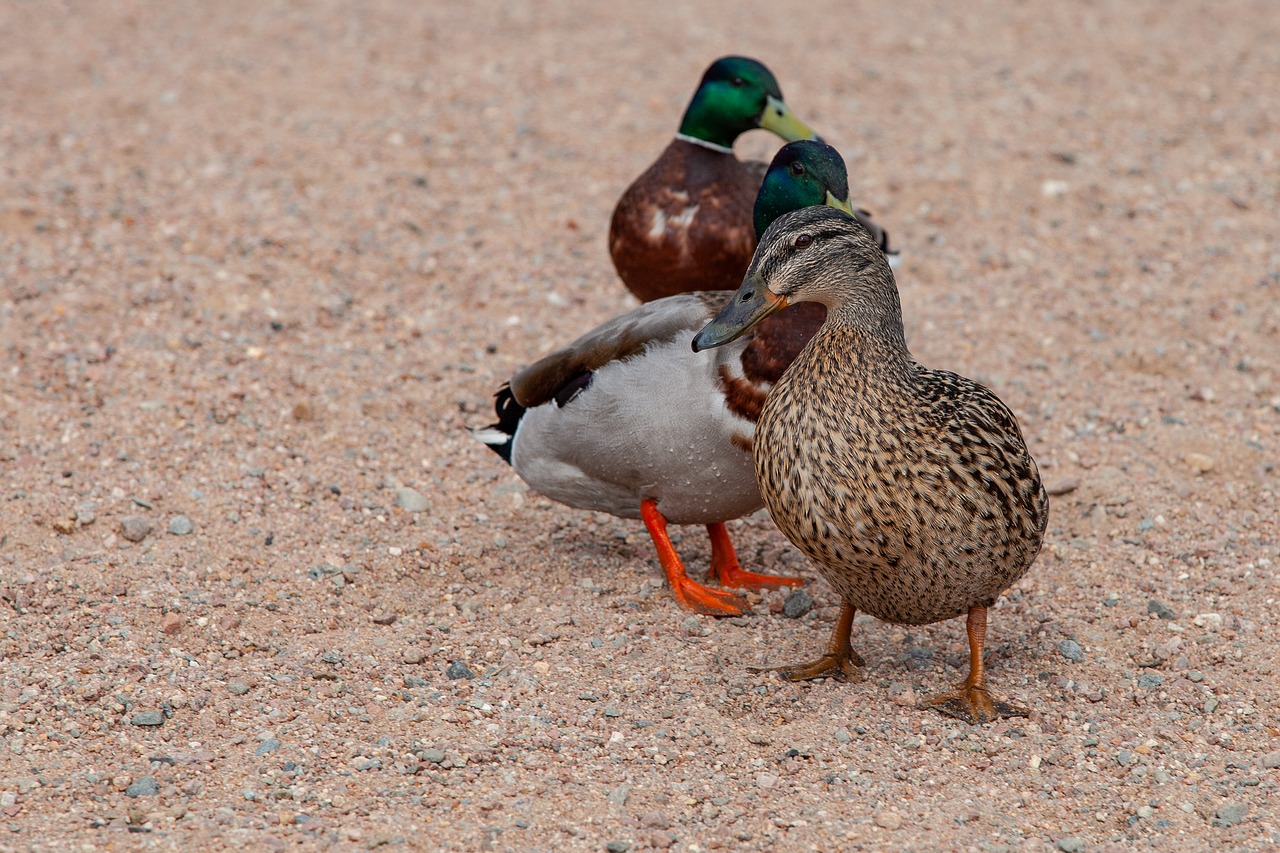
(614, 340)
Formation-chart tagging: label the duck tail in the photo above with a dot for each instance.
(501, 435)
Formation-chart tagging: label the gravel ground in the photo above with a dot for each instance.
(263, 264)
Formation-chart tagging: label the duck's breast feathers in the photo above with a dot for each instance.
(685, 224)
(622, 337)
(982, 435)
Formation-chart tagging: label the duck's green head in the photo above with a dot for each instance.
(802, 174)
(738, 94)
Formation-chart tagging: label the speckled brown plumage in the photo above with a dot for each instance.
(911, 489)
(685, 224)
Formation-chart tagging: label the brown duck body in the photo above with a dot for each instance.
(686, 223)
(911, 489)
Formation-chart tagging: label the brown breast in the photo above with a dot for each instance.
(685, 224)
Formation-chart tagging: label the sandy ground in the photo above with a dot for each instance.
(263, 264)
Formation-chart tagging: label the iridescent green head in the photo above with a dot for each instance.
(738, 94)
(802, 174)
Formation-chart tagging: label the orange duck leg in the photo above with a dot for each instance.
(725, 565)
(970, 701)
(688, 592)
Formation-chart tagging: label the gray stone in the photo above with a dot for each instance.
(148, 718)
(147, 786)
(363, 764)
(1271, 760)
(267, 746)
(237, 688)
(411, 500)
(435, 756)
(618, 796)
(1150, 681)
(1231, 814)
(1161, 610)
(1071, 650)
(886, 819)
(617, 847)
(415, 681)
(180, 525)
(458, 669)
(797, 604)
(135, 528)
(1071, 844)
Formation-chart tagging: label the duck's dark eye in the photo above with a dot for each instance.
(803, 241)
(797, 169)
(737, 82)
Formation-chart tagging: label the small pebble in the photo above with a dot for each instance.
(886, 819)
(171, 623)
(180, 525)
(655, 820)
(411, 500)
(618, 796)
(1231, 814)
(148, 718)
(237, 688)
(843, 736)
(458, 669)
(1271, 760)
(434, 756)
(415, 681)
(1161, 610)
(1071, 844)
(797, 604)
(1071, 650)
(368, 764)
(135, 528)
(414, 656)
(1199, 462)
(1063, 487)
(267, 746)
(617, 847)
(147, 786)
(1150, 681)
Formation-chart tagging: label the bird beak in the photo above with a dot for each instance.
(838, 204)
(779, 119)
(751, 304)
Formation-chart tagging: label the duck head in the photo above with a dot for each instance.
(818, 254)
(738, 94)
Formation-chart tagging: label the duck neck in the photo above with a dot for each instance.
(869, 343)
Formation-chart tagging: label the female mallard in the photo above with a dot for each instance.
(912, 489)
(685, 224)
(627, 420)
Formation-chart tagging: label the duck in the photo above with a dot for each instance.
(911, 489)
(686, 224)
(628, 420)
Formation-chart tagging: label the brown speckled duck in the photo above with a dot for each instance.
(686, 223)
(910, 488)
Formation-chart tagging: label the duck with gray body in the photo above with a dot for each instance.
(628, 420)
(911, 489)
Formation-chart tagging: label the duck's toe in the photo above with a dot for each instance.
(974, 705)
(739, 578)
(843, 667)
(710, 602)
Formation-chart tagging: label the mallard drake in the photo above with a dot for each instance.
(686, 223)
(628, 420)
(911, 489)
